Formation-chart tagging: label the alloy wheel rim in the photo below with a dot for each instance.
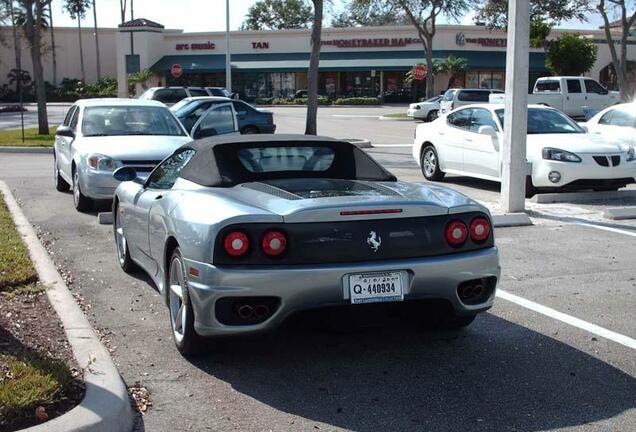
(430, 163)
(121, 241)
(76, 189)
(178, 310)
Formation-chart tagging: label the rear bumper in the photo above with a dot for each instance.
(299, 288)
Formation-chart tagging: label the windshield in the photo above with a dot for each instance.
(434, 99)
(473, 95)
(176, 107)
(129, 120)
(448, 96)
(546, 121)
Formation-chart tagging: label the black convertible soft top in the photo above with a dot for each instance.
(216, 161)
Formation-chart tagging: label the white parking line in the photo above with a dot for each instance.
(355, 115)
(391, 145)
(560, 316)
(605, 228)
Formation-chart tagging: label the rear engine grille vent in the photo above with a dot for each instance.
(386, 190)
(269, 189)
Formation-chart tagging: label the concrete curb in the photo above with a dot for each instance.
(511, 220)
(18, 149)
(385, 118)
(620, 213)
(106, 405)
(581, 197)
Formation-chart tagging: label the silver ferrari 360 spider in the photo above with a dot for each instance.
(240, 232)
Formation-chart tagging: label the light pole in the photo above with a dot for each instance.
(228, 64)
(513, 196)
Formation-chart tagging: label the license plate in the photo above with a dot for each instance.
(376, 287)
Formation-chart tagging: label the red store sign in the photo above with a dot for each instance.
(370, 43)
(195, 46)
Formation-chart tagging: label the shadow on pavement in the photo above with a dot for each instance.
(495, 375)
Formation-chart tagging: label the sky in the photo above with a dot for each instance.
(197, 15)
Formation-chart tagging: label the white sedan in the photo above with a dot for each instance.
(617, 123)
(426, 110)
(468, 142)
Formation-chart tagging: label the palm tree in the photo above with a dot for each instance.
(99, 72)
(312, 74)
(452, 65)
(54, 57)
(77, 10)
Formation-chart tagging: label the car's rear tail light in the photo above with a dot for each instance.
(236, 244)
(479, 229)
(456, 233)
(274, 243)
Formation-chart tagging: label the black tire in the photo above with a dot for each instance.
(429, 164)
(82, 203)
(249, 130)
(60, 184)
(530, 189)
(432, 115)
(121, 243)
(187, 341)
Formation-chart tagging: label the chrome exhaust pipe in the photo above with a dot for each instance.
(245, 311)
(261, 311)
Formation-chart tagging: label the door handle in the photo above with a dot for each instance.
(158, 197)
(469, 139)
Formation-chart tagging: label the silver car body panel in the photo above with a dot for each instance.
(192, 216)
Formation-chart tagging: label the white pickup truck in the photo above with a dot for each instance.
(570, 95)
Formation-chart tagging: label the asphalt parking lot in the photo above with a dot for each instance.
(514, 369)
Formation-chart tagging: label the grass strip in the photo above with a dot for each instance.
(13, 137)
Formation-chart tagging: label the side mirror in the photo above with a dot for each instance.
(487, 130)
(125, 174)
(65, 131)
(204, 133)
(584, 127)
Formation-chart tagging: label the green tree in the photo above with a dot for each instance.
(494, 12)
(363, 13)
(77, 10)
(278, 15)
(570, 55)
(539, 32)
(34, 12)
(423, 15)
(618, 8)
(311, 127)
(454, 66)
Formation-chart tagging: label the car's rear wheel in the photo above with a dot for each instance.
(82, 203)
(181, 312)
(432, 115)
(60, 184)
(430, 164)
(123, 253)
(249, 130)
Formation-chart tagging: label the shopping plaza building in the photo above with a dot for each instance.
(360, 61)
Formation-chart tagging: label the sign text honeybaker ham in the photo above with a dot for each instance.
(370, 43)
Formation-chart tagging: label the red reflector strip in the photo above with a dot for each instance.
(369, 212)
(194, 272)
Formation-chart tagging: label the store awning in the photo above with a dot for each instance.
(336, 62)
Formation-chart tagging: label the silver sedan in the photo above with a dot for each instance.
(240, 232)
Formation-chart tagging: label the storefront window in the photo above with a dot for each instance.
(282, 84)
(485, 79)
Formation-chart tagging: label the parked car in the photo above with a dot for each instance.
(98, 136)
(455, 98)
(251, 120)
(221, 92)
(172, 95)
(467, 141)
(246, 231)
(616, 123)
(572, 94)
(426, 110)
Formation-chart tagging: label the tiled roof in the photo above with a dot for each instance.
(141, 22)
